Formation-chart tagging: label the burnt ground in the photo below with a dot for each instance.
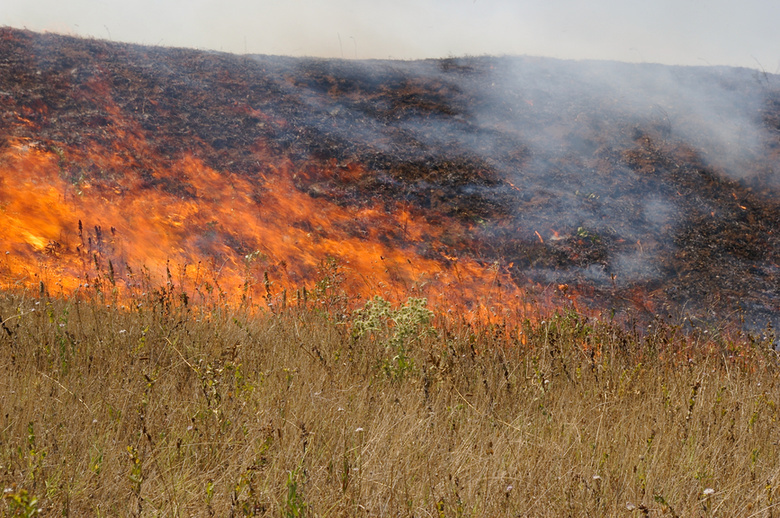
(640, 186)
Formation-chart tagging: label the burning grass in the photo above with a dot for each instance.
(208, 381)
(639, 187)
(167, 409)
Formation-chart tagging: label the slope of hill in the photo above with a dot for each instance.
(489, 184)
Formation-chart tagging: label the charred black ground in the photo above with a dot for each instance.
(635, 185)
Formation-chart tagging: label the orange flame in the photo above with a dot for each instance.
(221, 228)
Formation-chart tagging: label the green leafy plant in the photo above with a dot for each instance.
(21, 503)
(294, 504)
(397, 328)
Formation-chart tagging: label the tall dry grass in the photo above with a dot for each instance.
(163, 409)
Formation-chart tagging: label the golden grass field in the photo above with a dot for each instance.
(164, 409)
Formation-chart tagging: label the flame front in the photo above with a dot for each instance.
(488, 185)
(227, 231)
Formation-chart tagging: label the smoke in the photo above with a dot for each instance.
(601, 174)
(611, 175)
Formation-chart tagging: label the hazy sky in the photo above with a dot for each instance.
(693, 32)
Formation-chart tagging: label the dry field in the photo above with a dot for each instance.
(162, 409)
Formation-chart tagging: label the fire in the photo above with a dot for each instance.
(127, 169)
(221, 229)
(135, 209)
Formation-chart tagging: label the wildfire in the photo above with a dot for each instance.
(226, 231)
(124, 168)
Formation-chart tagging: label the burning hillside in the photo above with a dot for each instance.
(484, 183)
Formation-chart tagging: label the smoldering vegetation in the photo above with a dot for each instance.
(638, 187)
(607, 175)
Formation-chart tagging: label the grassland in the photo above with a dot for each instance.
(162, 409)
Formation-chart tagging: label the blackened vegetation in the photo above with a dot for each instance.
(611, 190)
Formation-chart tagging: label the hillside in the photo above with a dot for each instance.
(489, 185)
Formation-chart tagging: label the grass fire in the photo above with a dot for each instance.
(257, 285)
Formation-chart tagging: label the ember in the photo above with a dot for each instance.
(489, 185)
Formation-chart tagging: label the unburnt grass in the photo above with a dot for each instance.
(162, 409)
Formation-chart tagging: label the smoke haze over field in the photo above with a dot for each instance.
(690, 32)
(623, 185)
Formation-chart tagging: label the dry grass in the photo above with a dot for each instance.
(165, 410)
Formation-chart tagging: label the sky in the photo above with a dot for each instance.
(676, 32)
